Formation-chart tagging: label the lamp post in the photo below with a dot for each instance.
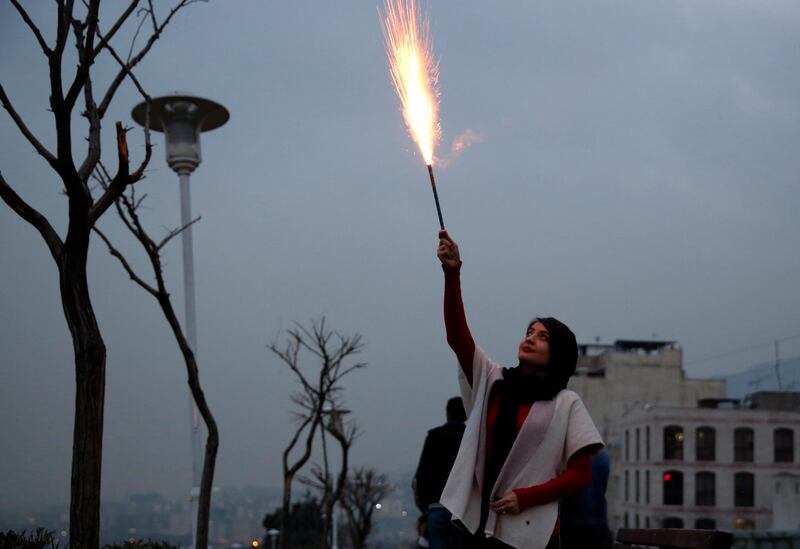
(182, 118)
(273, 536)
(336, 424)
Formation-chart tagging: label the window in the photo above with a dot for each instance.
(636, 520)
(627, 484)
(672, 522)
(784, 445)
(743, 444)
(638, 454)
(705, 524)
(705, 444)
(647, 521)
(744, 524)
(673, 488)
(704, 489)
(744, 489)
(627, 445)
(647, 486)
(647, 442)
(673, 442)
(637, 486)
(626, 519)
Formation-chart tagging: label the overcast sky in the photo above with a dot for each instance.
(633, 170)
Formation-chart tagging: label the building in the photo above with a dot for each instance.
(613, 379)
(724, 464)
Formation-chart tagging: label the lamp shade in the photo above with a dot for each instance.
(182, 118)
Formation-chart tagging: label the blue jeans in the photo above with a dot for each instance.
(440, 528)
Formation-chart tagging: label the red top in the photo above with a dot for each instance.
(579, 468)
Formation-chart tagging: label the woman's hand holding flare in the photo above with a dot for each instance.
(506, 505)
(448, 251)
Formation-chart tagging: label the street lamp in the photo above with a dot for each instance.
(182, 118)
(272, 533)
(335, 415)
(335, 423)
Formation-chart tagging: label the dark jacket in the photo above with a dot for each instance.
(438, 455)
(588, 507)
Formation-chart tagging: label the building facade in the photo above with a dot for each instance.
(723, 464)
(616, 378)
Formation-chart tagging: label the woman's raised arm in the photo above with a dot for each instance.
(455, 320)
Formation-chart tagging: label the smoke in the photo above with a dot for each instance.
(462, 141)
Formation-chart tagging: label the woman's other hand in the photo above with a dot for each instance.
(448, 251)
(506, 505)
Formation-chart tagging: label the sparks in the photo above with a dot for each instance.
(414, 72)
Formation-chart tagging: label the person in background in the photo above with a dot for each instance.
(584, 516)
(438, 454)
(422, 539)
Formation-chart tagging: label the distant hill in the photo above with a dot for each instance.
(763, 377)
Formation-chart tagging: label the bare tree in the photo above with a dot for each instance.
(364, 489)
(81, 20)
(127, 207)
(328, 482)
(330, 350)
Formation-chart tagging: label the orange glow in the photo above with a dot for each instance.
(414, 71)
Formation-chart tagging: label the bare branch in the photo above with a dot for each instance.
(91, 113)
(104, 40)
(295, 438)
(120, 180)
(112, 89)
(138, 203)
(127, 70)
(152, 14)
(148, 146)
(141, 234)
(36, 32)
(94, 115)
(289, 356)
(306, 451)
(131, 273)
(142, 21)
(32, 216)
(175, 232)
(351, 368)
(41, 149)
(86, 50)
(102, 176)
(64, 18)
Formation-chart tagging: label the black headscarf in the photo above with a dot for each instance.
(517, 388)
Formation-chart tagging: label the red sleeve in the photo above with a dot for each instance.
(578, 475)
(455, 321)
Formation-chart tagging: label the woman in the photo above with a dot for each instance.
(528, 440)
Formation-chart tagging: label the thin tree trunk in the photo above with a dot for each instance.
(90, 370)
(325, 539)
(285, 509)
(212, 441)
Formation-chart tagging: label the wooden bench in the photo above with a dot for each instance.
(673, 538)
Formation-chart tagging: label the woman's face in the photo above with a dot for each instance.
(534, 349)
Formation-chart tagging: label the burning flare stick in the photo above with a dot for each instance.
(415, 75)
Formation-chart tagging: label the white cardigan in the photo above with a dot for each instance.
(553, 431)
